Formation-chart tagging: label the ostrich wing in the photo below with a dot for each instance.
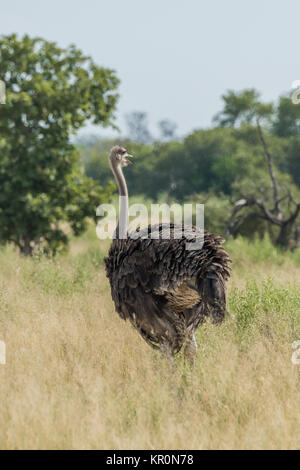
(153, 280)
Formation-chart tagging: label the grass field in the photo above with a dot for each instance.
(78, 377)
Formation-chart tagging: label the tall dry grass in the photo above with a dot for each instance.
(78, 377)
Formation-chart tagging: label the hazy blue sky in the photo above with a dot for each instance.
(175, 58)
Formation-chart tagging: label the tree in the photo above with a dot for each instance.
(287, 119)
(242, 107)
(292, 160)
(137, 123)
(50, 93)
(271, 203)
(167, 129)
(279, 209)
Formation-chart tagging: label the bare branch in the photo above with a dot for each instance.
(273, 216)
(270, 166)
(276, 220)
(293, 216)
(234, 223)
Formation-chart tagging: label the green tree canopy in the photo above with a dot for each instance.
(242, 107)
(287, 119)
(50, 93)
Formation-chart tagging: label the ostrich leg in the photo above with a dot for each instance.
(190, 349)
(168, 353)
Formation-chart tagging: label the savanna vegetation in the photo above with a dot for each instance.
(77, 376)
(251, 153)
(50, 93)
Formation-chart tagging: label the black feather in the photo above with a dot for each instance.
(143, 273)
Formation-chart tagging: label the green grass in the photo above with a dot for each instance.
(77, 376)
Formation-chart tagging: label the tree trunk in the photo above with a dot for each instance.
(284, 236)
(25, 248)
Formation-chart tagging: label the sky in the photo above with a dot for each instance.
(175, 58)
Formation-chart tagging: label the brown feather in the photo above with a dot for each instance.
(150, 283)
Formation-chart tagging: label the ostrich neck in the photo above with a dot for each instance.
(122, 226)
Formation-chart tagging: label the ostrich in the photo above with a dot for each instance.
(165, 290)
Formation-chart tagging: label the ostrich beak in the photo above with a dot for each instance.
(128, 161)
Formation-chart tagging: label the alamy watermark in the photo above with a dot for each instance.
(2, 92)
(2, 344)
(183, 218)
(296, 354)
(296, 92)
(2, 353)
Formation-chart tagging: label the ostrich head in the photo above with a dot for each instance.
(119, 156)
